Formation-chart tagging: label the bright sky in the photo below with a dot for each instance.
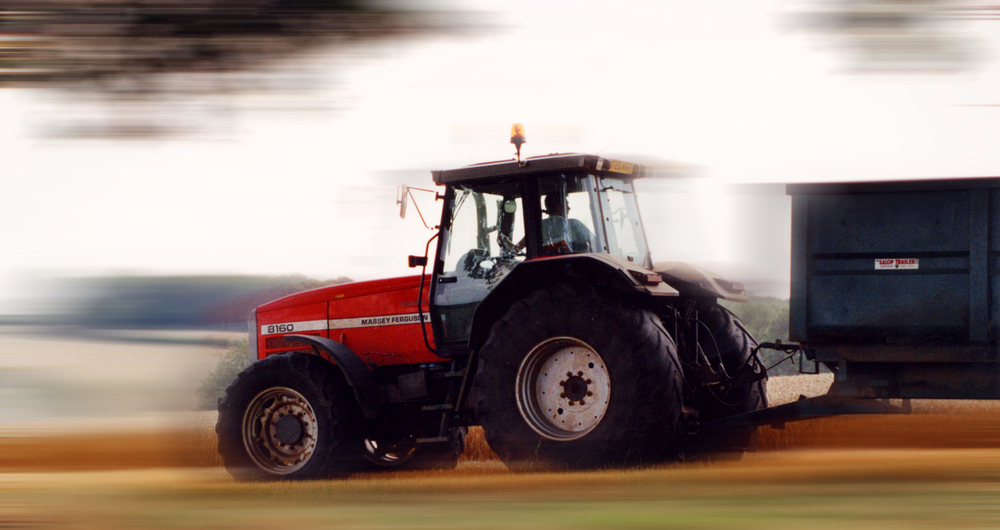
(720, 87)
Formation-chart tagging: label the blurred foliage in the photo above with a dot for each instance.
(60, 42)
(169, 302)
(899, 36)
(151, 69)
(766, 318)
(231, 362)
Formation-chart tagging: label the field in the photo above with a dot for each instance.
(146, 464)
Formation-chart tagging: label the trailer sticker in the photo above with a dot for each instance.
(292, 327)
(897, 264)
(382, 320)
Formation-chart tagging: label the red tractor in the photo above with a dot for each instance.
(544, 320)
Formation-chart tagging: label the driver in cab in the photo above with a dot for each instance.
(559, 234)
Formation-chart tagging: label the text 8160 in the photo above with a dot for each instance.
(280, 328)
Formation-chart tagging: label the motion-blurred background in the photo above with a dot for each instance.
(266, 137)
(167, 165)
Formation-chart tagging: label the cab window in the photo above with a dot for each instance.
(569, 216)
(480, 245)
(621, 220)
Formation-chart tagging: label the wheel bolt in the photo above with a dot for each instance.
(562, 395)
(580, 373)
(589, 381)
(582, 402)
(569, 374)
(589, 393)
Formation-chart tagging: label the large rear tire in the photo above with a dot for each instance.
(729, 341)
(290, 417)
(574, 378)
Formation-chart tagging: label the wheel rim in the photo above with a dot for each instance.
(280, 430)
(563, 389)
(387, 454)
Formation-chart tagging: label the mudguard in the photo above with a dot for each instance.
(692, 280)
(601, 270)
(353, 368)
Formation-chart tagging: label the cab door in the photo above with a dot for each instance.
(482, 239)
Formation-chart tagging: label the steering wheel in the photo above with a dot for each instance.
(508, 247)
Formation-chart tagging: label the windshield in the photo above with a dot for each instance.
(621, 220)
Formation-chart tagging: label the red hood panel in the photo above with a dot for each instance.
(378, 320)
(345, 290)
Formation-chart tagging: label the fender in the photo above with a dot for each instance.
(353, 368)
(692, 280)
(601, 270)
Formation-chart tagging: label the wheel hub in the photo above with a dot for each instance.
(280, 430)
(563, 389)
(287, 430)
(575, 387)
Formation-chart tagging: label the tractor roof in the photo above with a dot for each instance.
(540, 164)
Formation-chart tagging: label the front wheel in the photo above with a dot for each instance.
(289, 417)
(575, 378)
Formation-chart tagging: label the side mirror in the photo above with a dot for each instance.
(402, 197)
(418, 261)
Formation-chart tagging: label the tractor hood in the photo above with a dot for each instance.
(342, 291)
(692, 280)
(377, 320)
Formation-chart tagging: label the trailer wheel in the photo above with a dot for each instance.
(407, 454)
(289, 417)
(729, 341)
(570, 377)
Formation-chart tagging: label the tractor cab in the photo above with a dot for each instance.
(497, 216)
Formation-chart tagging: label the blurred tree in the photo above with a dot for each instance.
(131, 56)
(231, 362)
(899, 36)
(172, 302)
(62, 41)
(766, 318)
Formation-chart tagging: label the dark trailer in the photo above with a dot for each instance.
(894, 286)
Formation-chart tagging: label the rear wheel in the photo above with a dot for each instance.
(727, 339)
(289, 417)
(570, 377)
(563, 389)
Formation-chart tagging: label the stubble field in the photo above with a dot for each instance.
(142, 463)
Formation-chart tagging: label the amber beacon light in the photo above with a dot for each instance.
(517, 138)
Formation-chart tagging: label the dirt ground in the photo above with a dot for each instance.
(877, 489)
(82, 459)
